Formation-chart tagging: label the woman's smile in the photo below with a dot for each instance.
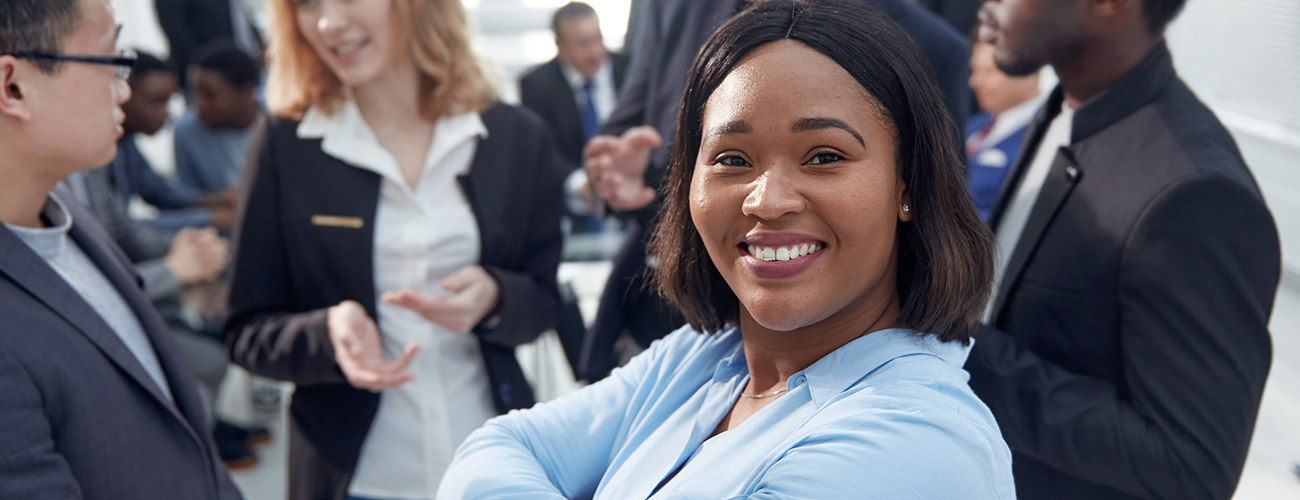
(779, 255)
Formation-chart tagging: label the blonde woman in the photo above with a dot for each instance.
(399, 236)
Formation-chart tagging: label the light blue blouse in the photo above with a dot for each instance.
(886, 416)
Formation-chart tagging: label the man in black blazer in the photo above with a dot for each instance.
(625, 170)
(190, 24)
(552, 90)
(1126, 347)
(95, 400)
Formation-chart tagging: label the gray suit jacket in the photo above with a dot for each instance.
(79, 417)
(144, 245)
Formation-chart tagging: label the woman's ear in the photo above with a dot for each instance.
(904, 202)
(13, 82)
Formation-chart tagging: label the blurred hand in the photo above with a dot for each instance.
(221, 208)
(197, 256)
(616, 167)
(474, 294)
(360, 352)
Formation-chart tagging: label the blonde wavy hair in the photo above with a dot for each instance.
(435, 33)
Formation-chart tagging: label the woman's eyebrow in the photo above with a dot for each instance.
(732, 127)
(818, 123)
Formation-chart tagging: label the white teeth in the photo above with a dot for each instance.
(782, 253)
(346, 49)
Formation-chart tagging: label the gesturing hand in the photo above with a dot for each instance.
(359, 352)
(474, 294)
(616, 167)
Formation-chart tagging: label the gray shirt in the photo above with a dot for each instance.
(66, 258)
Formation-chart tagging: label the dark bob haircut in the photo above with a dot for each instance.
(945, 254)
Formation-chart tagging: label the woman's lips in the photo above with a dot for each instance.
(778, 269)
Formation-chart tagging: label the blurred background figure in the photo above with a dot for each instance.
(993, 137)
(574, 94)
(152, 86)
(212, 138)
(191, 24)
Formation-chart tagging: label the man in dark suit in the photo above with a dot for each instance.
(191, 24)
(627, 163)
(97, 402)
(576, 91)
(1126, 345)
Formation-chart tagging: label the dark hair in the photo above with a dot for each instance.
(945, 257)
(1160, 13)
(37, 26)
(235, 66)
(146, 64)
(570, 10)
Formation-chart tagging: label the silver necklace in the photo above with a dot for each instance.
(768, 395)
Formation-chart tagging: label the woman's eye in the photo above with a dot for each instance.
(825, 158)
(732, 161)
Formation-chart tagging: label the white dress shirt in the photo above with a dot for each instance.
(422, 235)
(602, 83)
(1016, 215)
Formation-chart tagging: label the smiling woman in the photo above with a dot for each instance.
(819, 238)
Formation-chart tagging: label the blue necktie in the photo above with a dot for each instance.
(589, 117)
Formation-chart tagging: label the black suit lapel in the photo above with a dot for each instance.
(1065, 174)
(485, 186)
(566, 108)
(1033, 137)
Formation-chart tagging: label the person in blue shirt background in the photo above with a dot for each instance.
(212, 139)
(993, 137)
(152, 85)
(817, 236)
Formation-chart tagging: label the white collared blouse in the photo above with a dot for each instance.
(421, 236)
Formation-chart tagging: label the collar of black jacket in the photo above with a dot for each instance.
(1141, 85)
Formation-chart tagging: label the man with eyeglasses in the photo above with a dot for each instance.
(95, 401)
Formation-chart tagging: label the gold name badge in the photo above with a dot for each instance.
(337, 221)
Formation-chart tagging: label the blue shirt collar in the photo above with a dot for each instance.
(836, 372)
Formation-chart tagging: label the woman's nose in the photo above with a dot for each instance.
(772, 195)
(332, 17)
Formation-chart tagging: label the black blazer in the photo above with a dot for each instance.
(545, 91)
(671, 35)
(79, 416)
(288, 272)
(1129, 346)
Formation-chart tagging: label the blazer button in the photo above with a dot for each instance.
(1072, 173)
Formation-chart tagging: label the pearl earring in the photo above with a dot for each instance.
(907, 209)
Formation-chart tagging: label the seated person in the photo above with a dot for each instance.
(993, 137)
(213, 136)
(152, 85)
(817, 235)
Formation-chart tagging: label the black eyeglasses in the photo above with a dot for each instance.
(124, 61)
